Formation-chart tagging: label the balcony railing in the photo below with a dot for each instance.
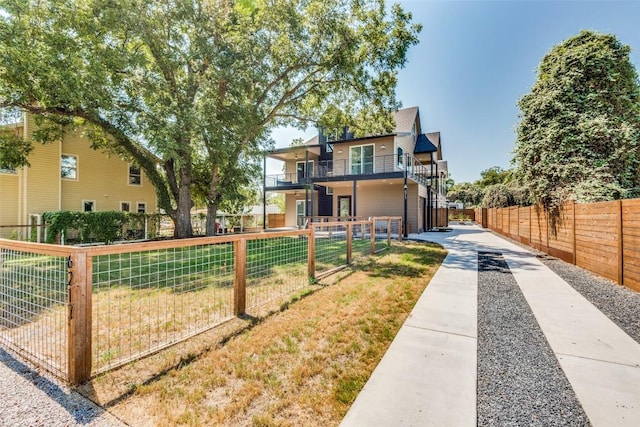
(415, 170)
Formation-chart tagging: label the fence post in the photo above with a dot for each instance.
(388, 231)
(349, 230)
(620, 245)
(240, 283)
(400, 230)
(311, 252)
(575, 252)
(79, 269)
(372, 231)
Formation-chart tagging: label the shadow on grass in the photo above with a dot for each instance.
(251, 323)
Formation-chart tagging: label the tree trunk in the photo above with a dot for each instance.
(182, 220)
(212, 210)
(213, 199)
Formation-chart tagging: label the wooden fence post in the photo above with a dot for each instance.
(349, 239)
(240, 283)
(400, 230)
(372, 231)
(79, 317)
(311, 253)
(575, 250)
(620, 245)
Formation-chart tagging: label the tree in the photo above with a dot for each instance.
(469, 194)
(580, 125)
(189, 89)
(497, 196)
(494, 175)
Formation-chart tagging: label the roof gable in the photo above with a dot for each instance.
(405, 119)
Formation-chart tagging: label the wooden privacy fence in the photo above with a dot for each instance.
(603, 237)
(79, 311)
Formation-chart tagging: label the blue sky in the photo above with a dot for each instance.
(476, 59)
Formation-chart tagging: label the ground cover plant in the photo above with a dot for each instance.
(304, 364)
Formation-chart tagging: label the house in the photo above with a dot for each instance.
(68, 175)
(397, 174)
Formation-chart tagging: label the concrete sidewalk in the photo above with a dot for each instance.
(428, 376)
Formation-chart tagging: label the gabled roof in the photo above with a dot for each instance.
(424, 144)
(405, 119)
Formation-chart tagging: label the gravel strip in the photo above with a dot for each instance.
(520, 381)
(29, 399)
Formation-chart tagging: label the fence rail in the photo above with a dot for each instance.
(603, 237)
(79, 311)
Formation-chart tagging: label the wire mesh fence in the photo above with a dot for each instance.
(33, 307)
(79, 311)
(275, 266)
(146, 300)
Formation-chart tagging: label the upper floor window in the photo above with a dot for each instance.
(69, 166)
(135, 176)
(361, 159)
(125, 206)
(142, 207)
(400, 154)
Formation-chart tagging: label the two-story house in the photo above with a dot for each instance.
(398, 174)
(68, 175)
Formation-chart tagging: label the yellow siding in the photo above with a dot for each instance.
(43, 179)
(102, 178)
(8, 203)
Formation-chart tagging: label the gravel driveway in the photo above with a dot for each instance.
(29, 399)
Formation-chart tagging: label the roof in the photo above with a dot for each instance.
(405, 118)
(425, 145)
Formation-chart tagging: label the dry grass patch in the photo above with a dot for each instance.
(304, 365)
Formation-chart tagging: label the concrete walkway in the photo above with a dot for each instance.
(428, 376)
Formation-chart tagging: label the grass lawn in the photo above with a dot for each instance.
(303, 364)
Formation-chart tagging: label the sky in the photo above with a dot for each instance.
(476, 59)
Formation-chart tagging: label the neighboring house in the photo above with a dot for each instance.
(364, 177)
(68, 175)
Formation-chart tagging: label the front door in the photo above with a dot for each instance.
(344, 206)
(300, 212)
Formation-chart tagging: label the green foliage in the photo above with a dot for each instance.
(579, 134)
(93, 226)
(195, 86)
(469, 194)
(494, 175)
(497, 196)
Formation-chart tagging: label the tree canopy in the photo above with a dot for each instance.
(189, 89)
(580, 125)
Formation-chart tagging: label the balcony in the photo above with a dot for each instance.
(337, 170)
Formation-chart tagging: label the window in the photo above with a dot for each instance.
(361, 159)
(88, 206)
(301, 168)
(69, 166)
(125, 206)
(400, 153)
(142, 207)
(6, 169)
(328, 191)
(301, 207)
(135, 176)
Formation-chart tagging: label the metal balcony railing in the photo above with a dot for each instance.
(415, 170)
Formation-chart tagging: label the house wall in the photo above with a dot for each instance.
(290, 207)
(39, 187)
(384, 200)
(8, 202)
(382, 157)
(102, 178)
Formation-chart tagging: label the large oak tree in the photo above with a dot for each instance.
(189, 89)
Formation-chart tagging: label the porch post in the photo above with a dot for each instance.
(406, 196)
(264, 194)
(355, 185)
